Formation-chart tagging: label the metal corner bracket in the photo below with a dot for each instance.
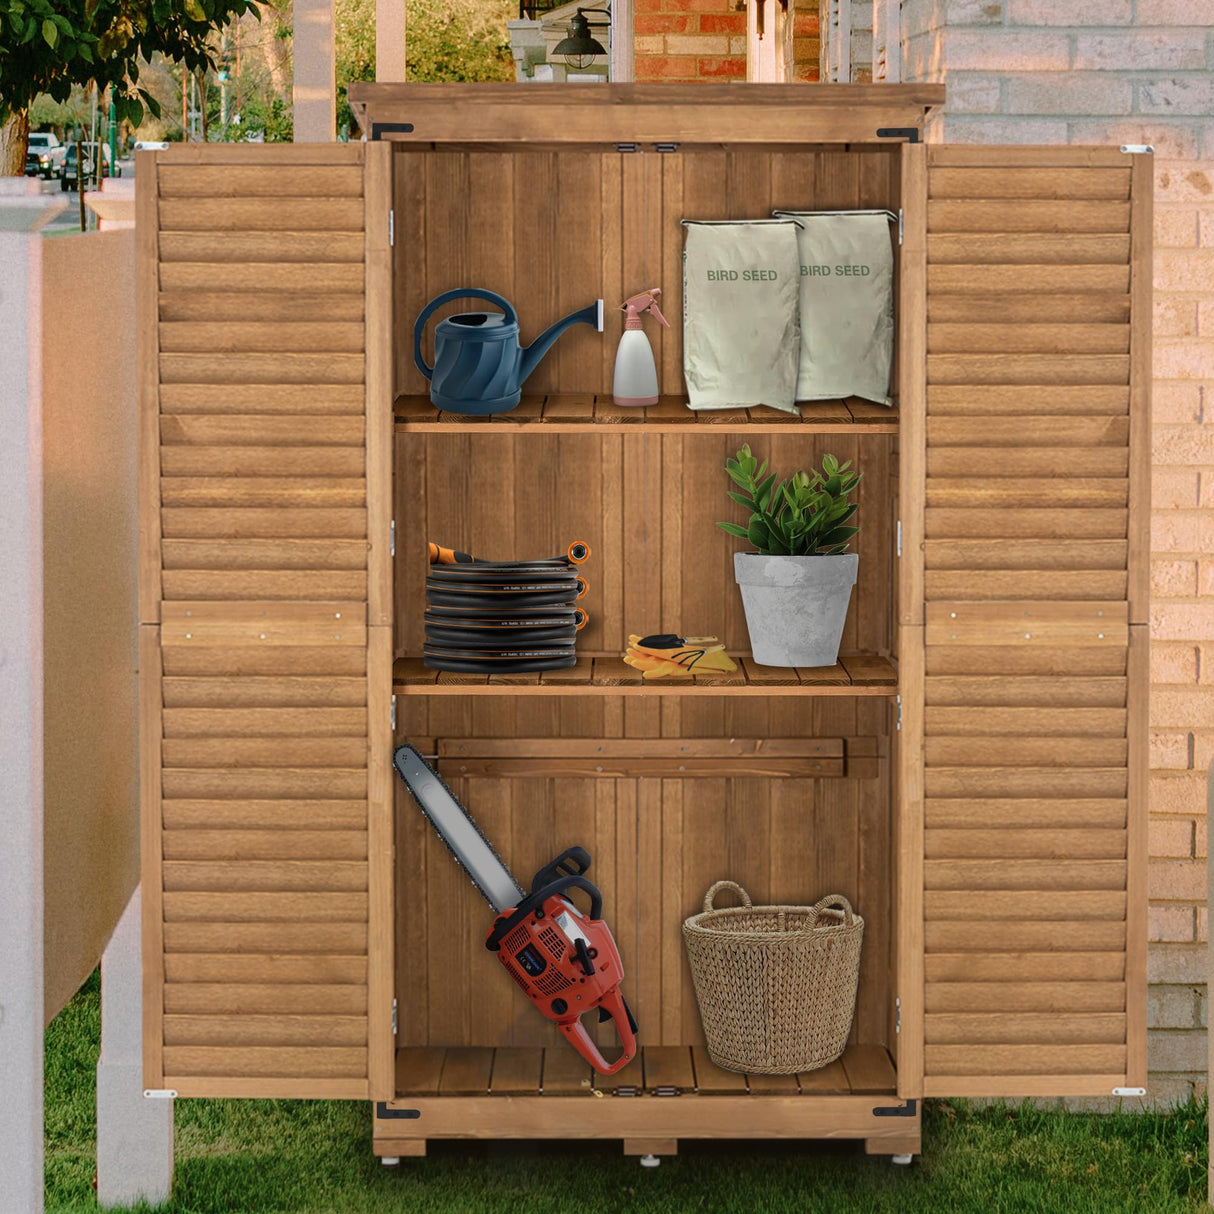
(911, 134)
(909, 1109)
(383, 1113)
(379, 128)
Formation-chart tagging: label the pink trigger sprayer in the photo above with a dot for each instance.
(636, 375)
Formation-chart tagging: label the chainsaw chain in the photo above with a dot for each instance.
(454, 854)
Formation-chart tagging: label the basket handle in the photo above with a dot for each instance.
(834, 902)
(720, 885)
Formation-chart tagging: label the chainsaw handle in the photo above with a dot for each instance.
(625, 1027)
(572, 861)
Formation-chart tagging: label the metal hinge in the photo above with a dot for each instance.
(900, 225)
(625, 147)
(898, 701)
(627, 1089)
(392, 227)
(667, 1089)
(1129, 1091)
(392, 538)
(159, 1093)
(665, 147)
(1136, 149)
(393, 1001)
(897, 1015)
(392, 718)
(899, 537)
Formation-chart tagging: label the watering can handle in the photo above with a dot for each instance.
(447, 297)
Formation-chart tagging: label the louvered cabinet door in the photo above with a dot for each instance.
(265, 654)
(1023, 621)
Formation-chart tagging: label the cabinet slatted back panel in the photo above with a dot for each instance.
(1023, 621)
(265, 609)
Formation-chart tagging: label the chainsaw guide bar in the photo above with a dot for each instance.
(457, 829)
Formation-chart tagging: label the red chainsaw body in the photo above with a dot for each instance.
(568, 964)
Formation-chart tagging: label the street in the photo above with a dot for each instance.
(68, 220)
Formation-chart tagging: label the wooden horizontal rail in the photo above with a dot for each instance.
(585, 413)
(517, 116)
(630, 758)
(638, 748)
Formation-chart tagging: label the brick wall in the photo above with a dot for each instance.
(689, 39)
(1132, 71)
(706, 39)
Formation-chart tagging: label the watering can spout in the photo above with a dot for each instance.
(593, 315)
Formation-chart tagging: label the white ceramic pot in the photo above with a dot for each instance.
(795, 605)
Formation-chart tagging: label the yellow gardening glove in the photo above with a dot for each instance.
(691, 656)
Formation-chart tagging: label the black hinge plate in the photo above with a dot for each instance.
(383, 1113)
(378, 128)
(910, 133)
(896, 1110)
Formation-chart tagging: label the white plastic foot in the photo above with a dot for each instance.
(390, 1161)
(651, 1161)
(901, 1160)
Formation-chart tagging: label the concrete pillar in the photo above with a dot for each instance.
(23, 210)
(314, 93)
(134, 1132)
(113, 204)
(389, 41)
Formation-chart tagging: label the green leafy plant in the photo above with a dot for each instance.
(806, 515)
(46, 46)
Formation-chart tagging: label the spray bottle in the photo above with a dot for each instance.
(636, 375)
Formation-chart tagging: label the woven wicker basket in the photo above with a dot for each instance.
(776, 985)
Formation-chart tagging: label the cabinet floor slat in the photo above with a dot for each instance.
(689, 1071)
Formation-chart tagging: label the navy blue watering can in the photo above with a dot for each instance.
(479, 366)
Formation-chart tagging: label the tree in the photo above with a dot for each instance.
(459, 40)
(46, 46)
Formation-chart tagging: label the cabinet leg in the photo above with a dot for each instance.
(901, 1148)
(392, 1150)
(651, 1150)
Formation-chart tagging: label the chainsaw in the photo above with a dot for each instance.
(564, 959)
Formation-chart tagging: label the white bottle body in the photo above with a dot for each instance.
(636, 376)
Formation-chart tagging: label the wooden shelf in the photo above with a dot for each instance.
(566, 413)
(859, 674)
(676, 1070)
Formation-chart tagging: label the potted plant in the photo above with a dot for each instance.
(796, 587)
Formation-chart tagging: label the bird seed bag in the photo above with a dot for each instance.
(741, 334)
(847, 305)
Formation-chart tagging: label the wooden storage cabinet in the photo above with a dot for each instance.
(970, 774)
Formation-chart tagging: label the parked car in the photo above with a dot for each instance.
(45, 156)
(68, 173)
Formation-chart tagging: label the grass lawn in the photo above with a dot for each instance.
(315, 1158)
